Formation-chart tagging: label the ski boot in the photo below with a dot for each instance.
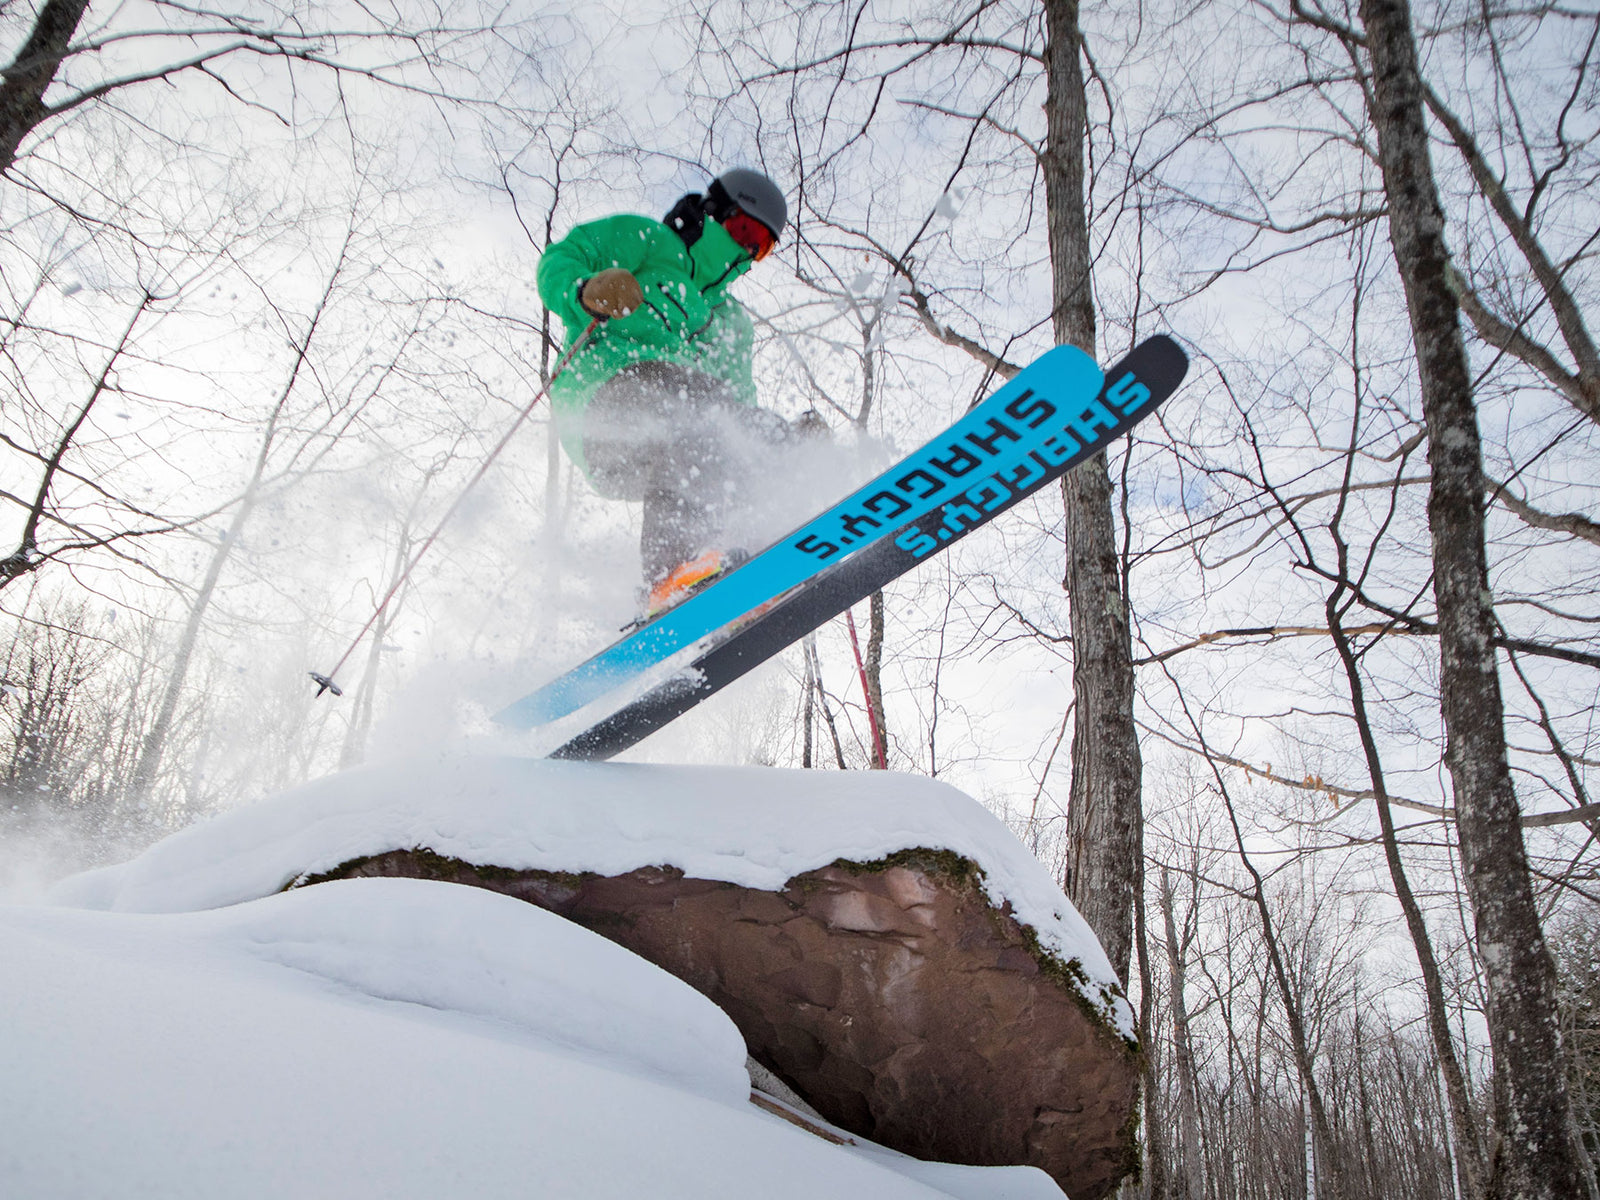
(684, 580)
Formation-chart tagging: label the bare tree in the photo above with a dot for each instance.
(1105, 864)
(1189, 1175)
(47, 531)
(69, 61)
(295, 436)
(1536, 1154)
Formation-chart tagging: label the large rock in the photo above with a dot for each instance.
(893, 996)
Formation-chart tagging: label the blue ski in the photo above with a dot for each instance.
(1156, 366)
(1059, 394)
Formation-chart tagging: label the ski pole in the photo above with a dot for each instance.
(325, 683)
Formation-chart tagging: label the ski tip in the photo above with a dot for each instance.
(1166, 354)
(1065, 362)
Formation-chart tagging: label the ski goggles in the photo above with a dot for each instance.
(750, 233)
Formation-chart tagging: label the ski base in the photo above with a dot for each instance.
(1154, 369)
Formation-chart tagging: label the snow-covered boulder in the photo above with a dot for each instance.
(392, 1040)
(883, 943)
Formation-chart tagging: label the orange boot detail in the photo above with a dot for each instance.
(682, 580)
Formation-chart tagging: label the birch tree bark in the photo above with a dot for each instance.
(1535, 1155)
(1104, 867)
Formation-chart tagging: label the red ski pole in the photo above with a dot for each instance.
(325, 683)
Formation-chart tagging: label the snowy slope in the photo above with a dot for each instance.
(179, 1026)
(756, 827)
(389, 1038)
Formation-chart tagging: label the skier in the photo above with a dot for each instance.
(659, 405)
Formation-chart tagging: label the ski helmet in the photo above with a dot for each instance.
(755, 194)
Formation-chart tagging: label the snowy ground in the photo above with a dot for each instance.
(173, 1027)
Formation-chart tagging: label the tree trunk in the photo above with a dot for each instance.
(1467, 1149)
(553, 531)
(1535, 1156)
(822, 702)
(1104, 867)
(1155, 1185)
(1325, 1172)
(354, 750)
(809, 707)
(874, 674)
(24, 82)
(1189, 1177)
(147, 771)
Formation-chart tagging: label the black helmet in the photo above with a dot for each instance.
(754, 193)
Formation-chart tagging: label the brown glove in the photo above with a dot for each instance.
(612, 293)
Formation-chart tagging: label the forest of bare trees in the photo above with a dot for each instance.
(1295, 691)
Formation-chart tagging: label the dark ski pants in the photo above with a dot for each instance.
(679, 440)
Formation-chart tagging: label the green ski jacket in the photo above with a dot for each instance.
(687, 316)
